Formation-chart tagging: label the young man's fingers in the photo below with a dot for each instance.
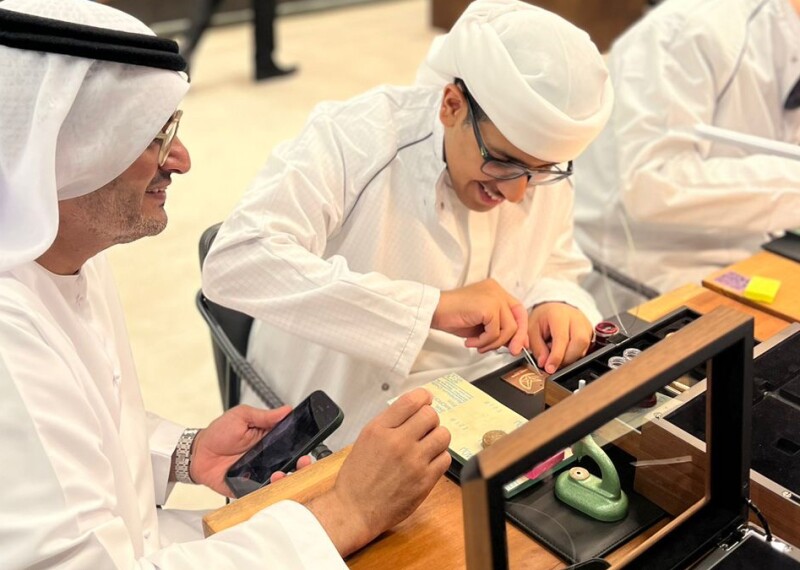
(541, 352)
(506, 330)
(559, 340)
(520, 338)
(579, 342)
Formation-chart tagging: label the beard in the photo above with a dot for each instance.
(119, 213)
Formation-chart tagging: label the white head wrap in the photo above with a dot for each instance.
(69, 125)
(539, 79)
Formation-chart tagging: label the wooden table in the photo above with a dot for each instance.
(703, 301)
(787, 303)
(433, 537)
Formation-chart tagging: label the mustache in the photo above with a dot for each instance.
(159, 180)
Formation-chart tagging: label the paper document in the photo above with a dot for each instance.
(469, 413)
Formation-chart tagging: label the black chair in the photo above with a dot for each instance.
(230, 331)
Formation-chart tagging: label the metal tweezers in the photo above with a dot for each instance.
(530, 359)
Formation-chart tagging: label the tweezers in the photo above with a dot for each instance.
(530, 359)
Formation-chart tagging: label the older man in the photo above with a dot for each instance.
(88, 147)
(408, 219)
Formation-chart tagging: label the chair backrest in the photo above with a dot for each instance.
(230, 331)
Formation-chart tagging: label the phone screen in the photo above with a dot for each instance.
(294, 436)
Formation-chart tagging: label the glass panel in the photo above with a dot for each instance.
(615, 486)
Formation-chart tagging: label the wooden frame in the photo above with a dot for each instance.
(725, 338)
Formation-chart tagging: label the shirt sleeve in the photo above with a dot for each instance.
(665, 84)
(284, 536)
(163, 436)
(63, 500)
(267, 260)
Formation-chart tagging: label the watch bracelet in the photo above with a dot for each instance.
(183, 456)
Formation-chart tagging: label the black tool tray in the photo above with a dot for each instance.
(589, 368)
(594, 365)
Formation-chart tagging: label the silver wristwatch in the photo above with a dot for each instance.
(183, 456)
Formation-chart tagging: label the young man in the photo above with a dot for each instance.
(88, 147)
(408, 219)
(655, 199)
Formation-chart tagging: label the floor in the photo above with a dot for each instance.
(229, 125)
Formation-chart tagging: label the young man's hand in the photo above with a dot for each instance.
(485, 314)
(395, 462)
(559, 334)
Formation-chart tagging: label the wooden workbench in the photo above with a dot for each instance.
(433, 537)
(705, 300)
(787, 302)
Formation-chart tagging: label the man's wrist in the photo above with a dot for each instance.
(183, 456)
(341, 522)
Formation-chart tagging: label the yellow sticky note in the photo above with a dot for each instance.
(762, 289)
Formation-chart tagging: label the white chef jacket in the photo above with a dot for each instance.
(693, 205)
(80, 455)
(344, 241)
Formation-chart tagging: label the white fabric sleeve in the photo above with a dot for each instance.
(163, 438)
(565, 266)
(267, 258)
(284, 536)
(667, 85)
(63, 506)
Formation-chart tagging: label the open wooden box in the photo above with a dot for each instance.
(709, 503)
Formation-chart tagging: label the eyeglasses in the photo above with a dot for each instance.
(167, 135)
(504, 169)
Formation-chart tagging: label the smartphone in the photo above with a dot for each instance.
(310, 422)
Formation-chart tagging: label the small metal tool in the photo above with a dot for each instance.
(530, 359)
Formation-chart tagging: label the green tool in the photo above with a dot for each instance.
(601, 498)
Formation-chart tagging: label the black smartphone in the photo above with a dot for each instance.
(310, 422)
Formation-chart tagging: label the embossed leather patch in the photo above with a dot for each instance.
(525, 379)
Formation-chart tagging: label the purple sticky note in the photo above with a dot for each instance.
(733, 280)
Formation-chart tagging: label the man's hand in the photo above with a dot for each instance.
(218, 446)
(395, 462)
(559, 333)
(485, 314)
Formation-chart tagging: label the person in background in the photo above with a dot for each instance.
(657, 201)
(413, 231)
(88, 148)
(264, 12)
